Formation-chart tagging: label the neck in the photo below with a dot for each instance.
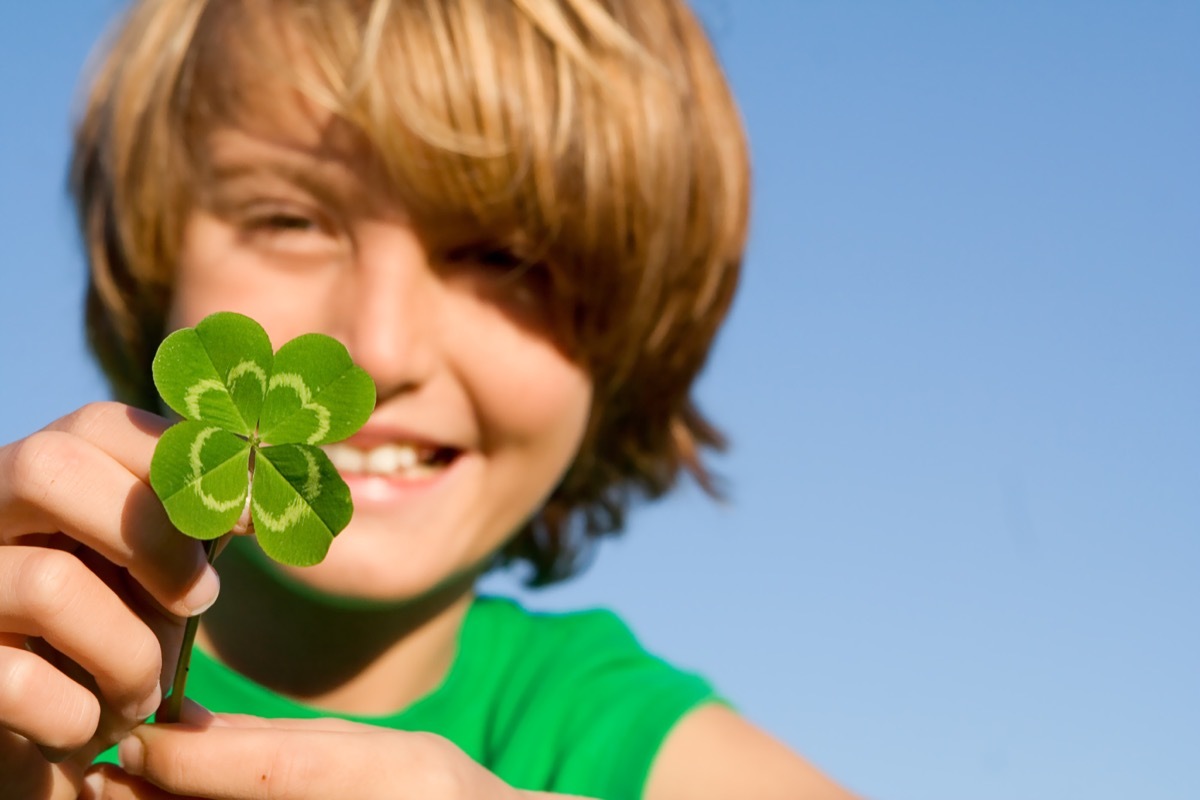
(360, 660)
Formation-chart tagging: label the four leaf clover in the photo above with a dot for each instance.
(252, 423)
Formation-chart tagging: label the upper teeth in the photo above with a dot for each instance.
(382, 460)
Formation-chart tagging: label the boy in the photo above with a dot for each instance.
(525, 220)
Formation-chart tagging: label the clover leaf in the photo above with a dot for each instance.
(252, 420)
(252, 423)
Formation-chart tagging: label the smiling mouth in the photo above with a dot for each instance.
(403, 461)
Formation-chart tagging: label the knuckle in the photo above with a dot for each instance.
(68, 714)
(21, 677)
(36, 462)
(85, 420)
(48, 582)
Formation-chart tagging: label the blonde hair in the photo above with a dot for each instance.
(594, 139)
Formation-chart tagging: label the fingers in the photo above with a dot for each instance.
(292, 760)
(42, 704)
(52, 595)
(24, 774)
(127, 433)
(249, 722)
(244, 763)
(197, 716)
(86, 475)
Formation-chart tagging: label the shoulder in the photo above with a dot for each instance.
(624, 722)
(582, 684)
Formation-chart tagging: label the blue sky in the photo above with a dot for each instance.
(962, 379)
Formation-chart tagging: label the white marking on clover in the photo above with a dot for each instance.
(248, 368)
(197, 465)
(192, 398)
(282, 522)
(312, 484)
(296, 383)
(311, 491)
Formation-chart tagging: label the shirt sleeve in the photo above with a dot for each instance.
(621, 708)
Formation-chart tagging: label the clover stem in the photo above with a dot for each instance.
(172, 708)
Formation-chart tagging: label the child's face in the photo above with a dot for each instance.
(297, 232)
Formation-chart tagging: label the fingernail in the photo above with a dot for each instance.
(130, 753)
(203, 592)
(150, 704)
(94, 786)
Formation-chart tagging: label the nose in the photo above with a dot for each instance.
(387, 317)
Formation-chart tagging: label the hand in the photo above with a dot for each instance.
(237, 757)
(94, 584)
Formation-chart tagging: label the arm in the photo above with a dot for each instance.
(714, 754)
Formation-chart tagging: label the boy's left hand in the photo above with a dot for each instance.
(249, 758)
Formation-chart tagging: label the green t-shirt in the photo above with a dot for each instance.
(565, 703)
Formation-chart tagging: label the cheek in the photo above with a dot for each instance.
(547, 400)
(527, 392)
(522, 386)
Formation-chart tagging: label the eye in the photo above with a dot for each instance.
(501, 260)
(504, 277)
(270, 221)
(287, 230)
(496, 263)
(283, 221)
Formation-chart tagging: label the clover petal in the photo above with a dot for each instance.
(199, 472)
(299, 503)
(316, 393)
(217, 372)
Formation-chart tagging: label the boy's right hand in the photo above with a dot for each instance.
(95, 584)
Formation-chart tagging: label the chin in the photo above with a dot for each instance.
(395, 571)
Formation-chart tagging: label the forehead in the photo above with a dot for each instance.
(268, 69)
(292, 91)
(258, 72)
(285, 125)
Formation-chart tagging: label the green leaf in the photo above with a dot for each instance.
(299, 503)
(235, 396)
(200, 473)
(316, 394)
(217, 372)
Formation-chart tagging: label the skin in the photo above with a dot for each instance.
(297, 235)
(89, 564)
